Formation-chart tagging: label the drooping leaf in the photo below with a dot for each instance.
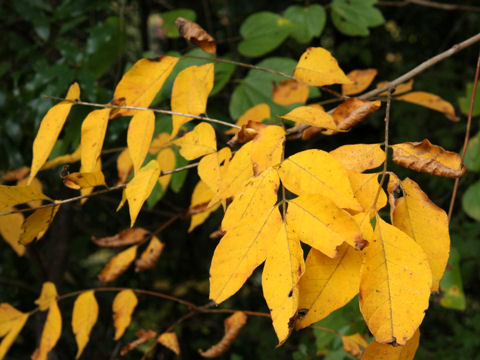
(190, 93)
(417, 216)
(451, 287)
(84, 317)
(11, 230)
(354, 344)
(354, 17)
(359, 157)
(365, 188)
(37, 224)
(198, 142)
(377, 351)
(395, 283)
(425, 157)
(361, 80)
(142, 337)
(50, 127)
(84, 180)
(123, 306)
(430, 101)
(199, 209)
(142, 82)
(328, 284)
(318, 67)
(150, 255)
(140, 187)
(267, 147)
(117, 265)
(94, 128)
(311, 115)
(233, 324)
(125, 237)
(290, 92)
(192, 31)
(352, 111)
(11, 323)
(170, 341)
(51, 332)
(309, 21)
(15, 195)
(139, 136)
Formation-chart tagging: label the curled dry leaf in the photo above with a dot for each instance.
(117, 265)
(431, 101)
(352, 111)
(192, 31)
(361, 79)
(79, 180)
(150, 256)
(170, 341)
(290, 92)
(123, 238)
(233, 325)
(425, 157)
(142, 337)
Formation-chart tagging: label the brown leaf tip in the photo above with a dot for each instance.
(192, 31)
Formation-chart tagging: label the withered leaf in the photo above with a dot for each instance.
(142, 337)
(150, 255)
(361, 80)
(123, 238)
(192, 31)
(352, 111)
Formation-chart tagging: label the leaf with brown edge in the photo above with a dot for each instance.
(37, 224)
(377, 351)
(361, 80)
(425, 157)
(139, 136)
(123, 306)
(84, 180)
(328, 284)
(94, 128)
(19, 194)
(354, 344)
(290, 92)
(125, 237)
(117, 265)
(351, 112)
(233, 324)
(142, 337)
(84, 317)
(142, 82)
(124, 167)
(311, 115)
(150, 255)
(399, 89)
(198, 142)
(416, 215)
(170, 341)
(11, 323)
(257, 113)
(430, 101)
(11, 230)
(359, 157)
(318, 67)
(51, 332)
(192, 31)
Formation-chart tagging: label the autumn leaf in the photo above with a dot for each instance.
(84, 180)
(125, 237)
(233, 325)
(160, 142)
(123, 306)
(267, 147)
(50, 127)
(192, 31)
(199, 209)
(198, 142)
(416, 215)
(170, 341)
(51, 332)
(37, 224)
(84, 317)
(425, 157)
(142, 82)
(11, 323)
(15, 195)
(190, 93)
(11, 230)
(361, 80)
(35, 184)
(430, 101)
(377, 351)
(15, 175)
(166, 162)
(290, 92)
(47, 295)
(210, 168)
(395, 283)
(142, 337)
(257, 113)
(354, 344)
(365, 188)
(94, 128)
(118, 264)
(318, 67)
(311, 115)
(399, 89)
(150, 255)
(359, 157)
(63, 159)
(351, 112)
(139, 136)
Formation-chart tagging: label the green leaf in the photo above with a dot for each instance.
(451, 285)
(464, 102)
(472, 156)
(354, 17)
(471, 201)
(169, 20)
(309, 21)
(262, 32)
(178, 178)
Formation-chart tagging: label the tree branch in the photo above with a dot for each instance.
(432, 4)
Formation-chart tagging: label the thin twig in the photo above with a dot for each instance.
(431, 4)
(467, 136)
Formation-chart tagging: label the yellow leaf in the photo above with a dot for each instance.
(50, 127)
(365, 188)
(48, 294)
(400, 89)
(118, 264)
(123, 306)
(281, 273)
(199, 205)
(328, 284)
(160, 141)
(361, 80)
(267, 148)
(140, 187)
(124, 166)
(86, 191)
(64, 159)
(84, 180)
(37, 224)
(35, 184)
(377, 351)
(257, 113)
(142, 82)
(14, 195)
(198, 142)
(94, 128)
(84, 317)
(311, 115)
(190, 93)
(240, 252)
(150, 255)
(51, 332)
(122, 201)
(416, 215)
(395, 283)
(318, 172)
(290, 92)
(318, 67)
(139, 136)
(11, 323)
(209, 168)
(430, 101)
(170, 341)
(359, 157)
(319, 223)
(11, 230)
(354, 345)
(166, 162)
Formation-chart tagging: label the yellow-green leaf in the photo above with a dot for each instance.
(139, 136)
(311, 115)
(199, 205)
(118, 264)
(48, 294)
(11, 230)
(267, 147)
(416, 215)
(94, 128)
(365, 188)
(37, 224)
(166, 162)
(14, 195)
(140, 187)
(142, 82)
(11, 323)
(123, 306)
(198, 142)
(50, 127)
(51, 332)
(359, 157)
(318, 67)
(84, 317)
(190, 93)
(395, 283)
(84, 180)
(377, 351)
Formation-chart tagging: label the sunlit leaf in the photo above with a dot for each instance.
(123, 306)
(267, 147)
(198, 142)
(35, 184)
(139, 136)
(210, 169)
(365, 188)
(359, 157)
(361, 80)
(118, 264)
(84, 317)
(311, 115)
